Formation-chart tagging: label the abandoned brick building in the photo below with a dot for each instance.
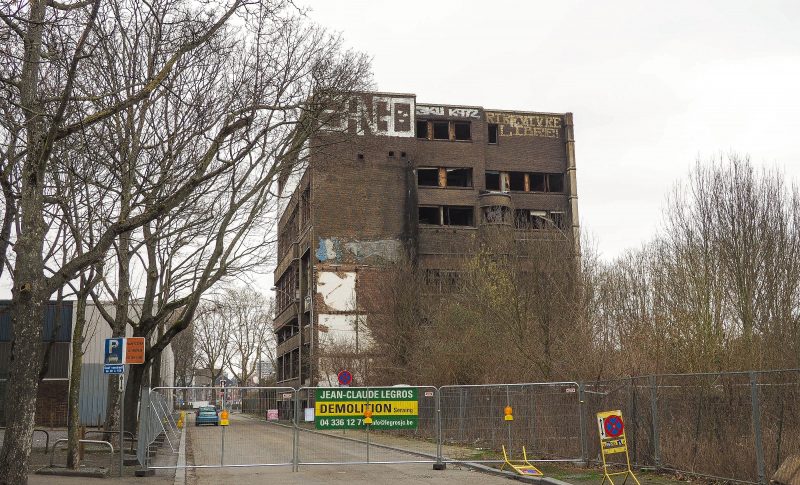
(422, 178)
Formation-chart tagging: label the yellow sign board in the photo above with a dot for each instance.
(378, 408)
(611, 429)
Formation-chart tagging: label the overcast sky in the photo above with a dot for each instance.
(652, 85)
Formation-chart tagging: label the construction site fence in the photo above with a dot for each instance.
(731, 426)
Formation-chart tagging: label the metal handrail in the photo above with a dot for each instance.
(88, 442)
(46, 435)
(129, 435)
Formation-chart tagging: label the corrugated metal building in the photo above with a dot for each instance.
(94, 384)
(51, 407)
(51, 404)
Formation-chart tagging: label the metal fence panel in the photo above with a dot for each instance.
(546, 421)
(260, 431)
(779, 399)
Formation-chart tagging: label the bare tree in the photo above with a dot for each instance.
(76, 75)
(249, 317)
(212, 340)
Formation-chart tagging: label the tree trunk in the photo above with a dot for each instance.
(29, 292)
(133, 390)
(73, 405)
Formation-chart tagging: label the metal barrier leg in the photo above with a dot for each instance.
(439, 465)
(759, 445)
(296, 435)
(654, 413)
(582, 424)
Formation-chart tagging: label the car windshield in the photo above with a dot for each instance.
(208, 410)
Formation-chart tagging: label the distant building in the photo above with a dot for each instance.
(425, 180)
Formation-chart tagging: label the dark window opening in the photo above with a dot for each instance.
(516, 181)
(492, 180)
(429, 215)
(496, 214)
(537, 182)
(558, 220)
(555, 182)
(459, 216)
(402, 154)
(361, 156)
(492, 133)
(422, 129)
(428, 177)
(528, 219)
(391, 153)
(459, 177)
(462, 131)
(441, 130)
(441, 280)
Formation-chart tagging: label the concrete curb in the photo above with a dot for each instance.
(180, 470)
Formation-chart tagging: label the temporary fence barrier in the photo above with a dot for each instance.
(545, 418)
(735, 426)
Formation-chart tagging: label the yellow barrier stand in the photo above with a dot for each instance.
(523, 467)
(612, 440)
(223, 418)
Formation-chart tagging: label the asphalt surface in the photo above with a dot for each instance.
(248, 441)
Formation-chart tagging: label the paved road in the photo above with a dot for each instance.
(249, 441)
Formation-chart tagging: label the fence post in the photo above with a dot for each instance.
(439, 465)
(145, 429)
(296, 434)
(759, 445)
(582, 423)
(634, 420)
(654, 415)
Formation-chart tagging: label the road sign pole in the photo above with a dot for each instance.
(121, 420)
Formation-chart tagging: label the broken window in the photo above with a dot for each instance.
(559, 220)
(459, 177)
(530, 219)
(428, 177)
(496, 214)
(492, 133)
(492, 180)
(441, 130)
(516, 181)
(459, 216)
(442, 280)
(429, 215)
(462, 131)
(555, 182)
(537, 182)
(422, 129)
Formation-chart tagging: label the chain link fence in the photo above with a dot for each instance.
(735, 426)
(546, 421)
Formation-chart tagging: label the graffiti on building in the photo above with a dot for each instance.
(377, 115)
(515, 124)
(426, 110)
(334, 250)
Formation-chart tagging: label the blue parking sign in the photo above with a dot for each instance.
(114, 351)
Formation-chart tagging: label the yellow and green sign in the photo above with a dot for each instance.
(345, 408)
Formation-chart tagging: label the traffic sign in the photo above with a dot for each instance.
(345, 378)
(613, 426)
(114, 351)
(114, 369)
(134, 350)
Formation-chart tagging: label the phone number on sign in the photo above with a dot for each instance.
(341, 421)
